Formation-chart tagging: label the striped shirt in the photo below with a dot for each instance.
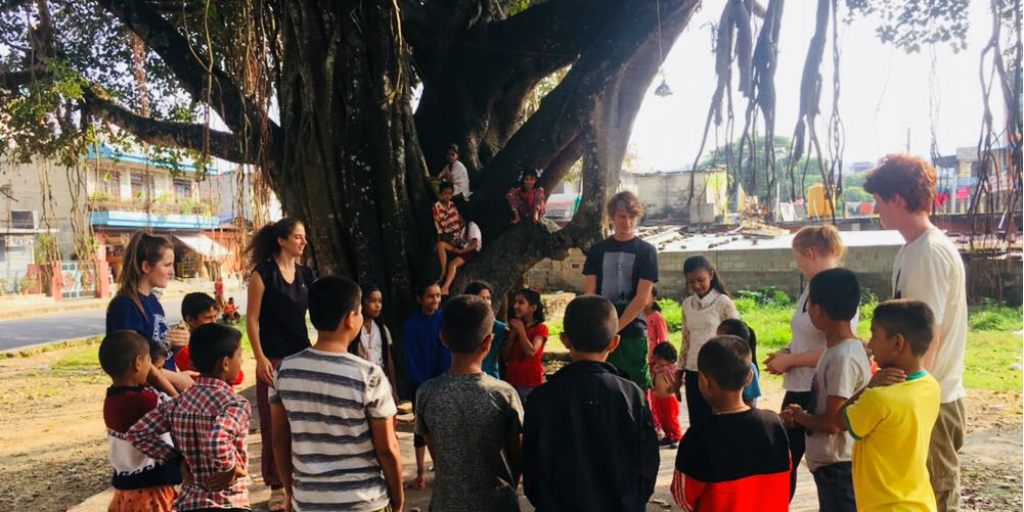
(330, 399)
(446, 219)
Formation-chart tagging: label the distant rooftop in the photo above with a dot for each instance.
(109, 153)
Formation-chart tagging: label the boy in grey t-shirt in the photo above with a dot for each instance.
(472, 422)
(842, 371)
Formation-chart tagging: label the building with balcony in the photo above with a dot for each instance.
(114, 195)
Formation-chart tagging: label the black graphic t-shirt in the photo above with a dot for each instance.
(619, 267)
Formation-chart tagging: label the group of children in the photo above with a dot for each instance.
(458, 239)
(585, 438)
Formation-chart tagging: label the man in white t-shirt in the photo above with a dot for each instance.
(472, 241)
(929, 268)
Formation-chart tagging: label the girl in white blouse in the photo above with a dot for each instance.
(706, 307)
(815, 248)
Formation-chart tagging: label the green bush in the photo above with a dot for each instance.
(990, 317)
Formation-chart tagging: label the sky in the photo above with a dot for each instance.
(884, 92)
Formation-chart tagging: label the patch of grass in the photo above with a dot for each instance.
(86, 356)
(988, 317)
(989, 357)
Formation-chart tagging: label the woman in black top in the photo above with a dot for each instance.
(276, 321)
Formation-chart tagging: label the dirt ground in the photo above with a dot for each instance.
(53, 451)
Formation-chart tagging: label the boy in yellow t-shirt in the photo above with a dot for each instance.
(891, 419)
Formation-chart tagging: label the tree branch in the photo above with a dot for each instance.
(163, 38)
(9, 80)
(167, 133)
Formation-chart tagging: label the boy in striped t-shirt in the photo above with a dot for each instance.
(331, 412)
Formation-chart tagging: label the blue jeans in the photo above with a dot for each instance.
(835, 487)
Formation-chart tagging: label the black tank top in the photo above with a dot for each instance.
(283, 310)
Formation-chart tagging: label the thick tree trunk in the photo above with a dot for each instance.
(351, 167)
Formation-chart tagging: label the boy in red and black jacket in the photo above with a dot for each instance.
(737, 459)
(198, 308)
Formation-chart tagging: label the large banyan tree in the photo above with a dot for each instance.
(317, 97)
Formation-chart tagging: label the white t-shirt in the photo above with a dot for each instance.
(473, 233)
(842, 371)
(930, 269)
(372, 345)
(702, 317)
(460, 178)
(806, 338)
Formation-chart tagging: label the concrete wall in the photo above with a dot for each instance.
(742, 270)
(756, 268)
(665, 196)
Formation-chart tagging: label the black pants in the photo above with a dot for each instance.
(696, 406)
(797, 435)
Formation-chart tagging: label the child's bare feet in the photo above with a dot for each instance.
(419, 484)
(444, 291)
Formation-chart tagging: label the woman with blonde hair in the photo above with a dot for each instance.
(815, 249)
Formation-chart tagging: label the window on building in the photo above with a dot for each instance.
(23, 220)
(141, 187)
(183, 188)
(108, 183)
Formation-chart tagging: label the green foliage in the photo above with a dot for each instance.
(766, 296)
(990, 317)
(672, 311)
(911, 24)
(990, 359)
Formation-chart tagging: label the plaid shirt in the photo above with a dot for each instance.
(209, 424)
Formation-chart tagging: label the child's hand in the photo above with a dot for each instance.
(221, 481)
(887, 377)
(178, 338)
(777, 363)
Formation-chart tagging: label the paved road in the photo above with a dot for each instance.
(53, 327)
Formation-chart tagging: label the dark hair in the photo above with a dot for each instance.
(264, 245)
(725, 360)
(445, 185)
(454, 147)
(528, 172)
(654, 293)
(466, 321)
(367, 289)
(694, 263)
(422, 286)
(740, 329)
(197, 303)
(331, 299)
(666, 351)
(532, 298)
(475, 287)
(118, 351)
(911, 318)
(142, 248)
(837, 292)
(590, 323)
(910, 177)
(210, 343)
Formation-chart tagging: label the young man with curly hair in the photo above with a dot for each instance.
(929, 269)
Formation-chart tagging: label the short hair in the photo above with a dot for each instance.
(331, 299)
(666, 351)
(837, 292)
(725, 360)
(210, 343)
(446, 185)
(476, 287)
(627, 200)
(739, 328)
(910, 177)
(197, 303)
(911, 318)
(454, 147)
(823, 240)
(466, 321)
(590, 323)
(422, 286)
(119, 349)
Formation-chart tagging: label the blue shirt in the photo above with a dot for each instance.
(753, 390)
(490, 366)
(425, 356)
(123, 314)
